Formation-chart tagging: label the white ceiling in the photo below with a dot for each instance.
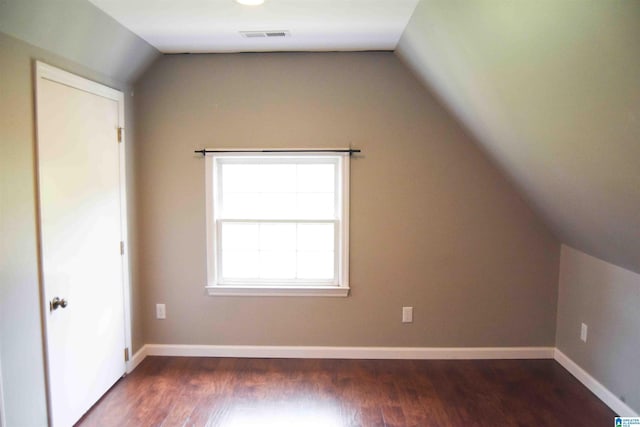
(177, 26)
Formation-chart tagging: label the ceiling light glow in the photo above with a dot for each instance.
(250, 2)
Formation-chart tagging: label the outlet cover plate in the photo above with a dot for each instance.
(407, 314)
(161, 311)
(584, 329)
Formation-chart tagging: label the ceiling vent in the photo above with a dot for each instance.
(264, 34)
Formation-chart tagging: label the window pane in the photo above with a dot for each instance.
(239, 236)
(277, 265)
(278, 191)
(316, 178)
(274, 206)
(256, 205)
(316, 206)
(278, 237)
(315, 265)
(278, 178)
(240, 264)
(315, 237)
(240, 205)
(239, 178)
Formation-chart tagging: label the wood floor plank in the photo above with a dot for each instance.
(228, 392)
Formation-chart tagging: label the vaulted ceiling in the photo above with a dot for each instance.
(550, 89)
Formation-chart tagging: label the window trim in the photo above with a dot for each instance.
(320, 288)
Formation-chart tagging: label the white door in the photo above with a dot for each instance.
(80, 234)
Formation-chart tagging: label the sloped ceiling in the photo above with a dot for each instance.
(551, 89)
(80, 32)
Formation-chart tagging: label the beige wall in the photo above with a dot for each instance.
(606, 298)
(21, 346)
(433, 224)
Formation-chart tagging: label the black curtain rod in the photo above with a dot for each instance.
(204, 151)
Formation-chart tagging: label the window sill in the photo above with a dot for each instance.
(281, 291)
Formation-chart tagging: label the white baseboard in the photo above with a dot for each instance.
(137, 359)
(350, 352)
(610, 399)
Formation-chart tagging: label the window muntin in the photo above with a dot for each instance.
(277, 221)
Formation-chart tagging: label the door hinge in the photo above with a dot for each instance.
(126, 354)
(121, 247)
(120, 134)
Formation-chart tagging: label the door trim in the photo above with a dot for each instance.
(47, 72)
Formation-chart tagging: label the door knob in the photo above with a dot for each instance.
(57, 302)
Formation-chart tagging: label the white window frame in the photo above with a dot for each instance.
(336, 287)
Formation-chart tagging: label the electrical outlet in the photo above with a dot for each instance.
(583, 332)
(407, 314)
(161, 311)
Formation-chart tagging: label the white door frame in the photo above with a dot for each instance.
(48, 72)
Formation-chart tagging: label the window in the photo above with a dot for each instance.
(277, 223)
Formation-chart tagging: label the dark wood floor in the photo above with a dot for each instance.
(173, 391)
